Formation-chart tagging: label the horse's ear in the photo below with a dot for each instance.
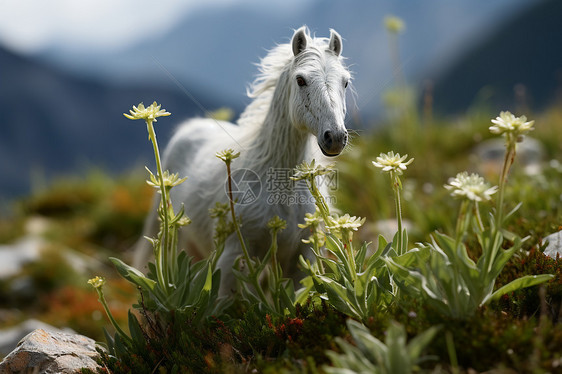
(299, 41)
(335, 44)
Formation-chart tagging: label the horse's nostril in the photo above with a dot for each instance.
(328, 139)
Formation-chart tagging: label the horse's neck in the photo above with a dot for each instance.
(277, 143)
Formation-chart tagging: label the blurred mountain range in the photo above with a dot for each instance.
(62, 108)
(55, 123)
(519, 67)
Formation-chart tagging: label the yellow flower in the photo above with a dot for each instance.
(394, 24)
(392, 162)
(97, 282)
(148, 114)
(513, 127)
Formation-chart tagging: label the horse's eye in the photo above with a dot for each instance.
(300, 81)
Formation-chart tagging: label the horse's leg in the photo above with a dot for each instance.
(232, 250)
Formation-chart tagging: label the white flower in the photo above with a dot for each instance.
(345, 222)
(392, 162)
(148, 114)
(170, 179)
(472, 187)
(306, 171)
(509, 125)
(228, 155)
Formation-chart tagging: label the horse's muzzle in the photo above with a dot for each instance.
(332, 143)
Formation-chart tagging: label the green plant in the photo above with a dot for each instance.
(394, 164)
(353, 283)
(175, 287)
(450, 280)
(370, 355)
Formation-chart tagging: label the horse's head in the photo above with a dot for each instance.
(318, 82)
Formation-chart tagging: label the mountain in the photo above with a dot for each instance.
(217, 47)
(516, 68)
(56, 123)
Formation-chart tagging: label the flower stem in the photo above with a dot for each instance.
(462, 222)
(508, 161)
(110, 316)
(162, 258)
(396, 189)
(235, 221)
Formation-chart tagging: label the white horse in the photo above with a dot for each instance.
(298, 100)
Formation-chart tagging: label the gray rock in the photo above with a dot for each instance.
(51, 352)
(554, 245)
(10, 337)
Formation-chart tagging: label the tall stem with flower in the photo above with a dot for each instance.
(472, 189)
(227, 156)
(165, 250)
(514, 130)
(98, 283)
(355, 284)
(394, 164)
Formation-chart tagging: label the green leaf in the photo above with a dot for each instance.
(110, 342)
(133, 275)
(136, 331)
(418, 343)
(517, 284)
(367, 343)
(304, 292)
(287, 295)
(398, 361)
(360, 256)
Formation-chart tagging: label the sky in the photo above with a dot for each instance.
(30, 26)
